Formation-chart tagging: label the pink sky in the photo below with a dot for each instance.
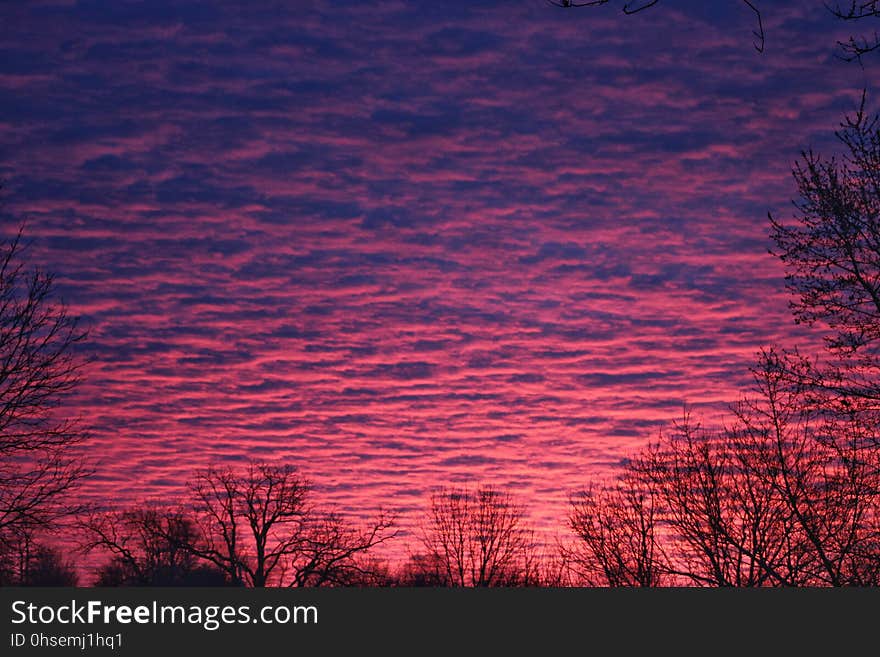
(400, 247)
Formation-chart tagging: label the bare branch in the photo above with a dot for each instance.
(261, 528)
(477, 538)
(39, 465)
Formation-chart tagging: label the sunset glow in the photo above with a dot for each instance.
(407, 244)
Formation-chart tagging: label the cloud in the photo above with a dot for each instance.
(504, 241)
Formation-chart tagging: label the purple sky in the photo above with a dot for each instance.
(409, 244)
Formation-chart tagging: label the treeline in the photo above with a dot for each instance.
(260, 527)
(787, 494)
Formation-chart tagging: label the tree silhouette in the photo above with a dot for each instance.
(789, 495)
(786, 496)
(478, 539)
(261, 529)
(47, 567)
(26, 562)
(149, 546)
(39, 466)
(332, 553)
(423, 570)
(617, 528)
(728, 528)
(824, 473)
(832, 257)
(250, 523)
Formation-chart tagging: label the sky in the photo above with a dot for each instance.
(404, 245)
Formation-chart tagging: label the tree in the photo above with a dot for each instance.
(261, 529)
(27, 562)
(332, 553)
(786, 496)
(724, 525)
(477, 539)
(47, 567)
(618, 538)
(832, 257)
(148, 546)
(39, 465)
(824, 474)
(423, 570)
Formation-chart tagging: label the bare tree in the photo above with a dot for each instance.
(336, 554)
(478, 539)
(786, 496)
(250, 523)
(832, 256)
(824, 472)
(423, 570)
(39, 465)
(261, 529)
(725, 527)
(148, 546)
(48, 567)
(618, 538)
(27, 562)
